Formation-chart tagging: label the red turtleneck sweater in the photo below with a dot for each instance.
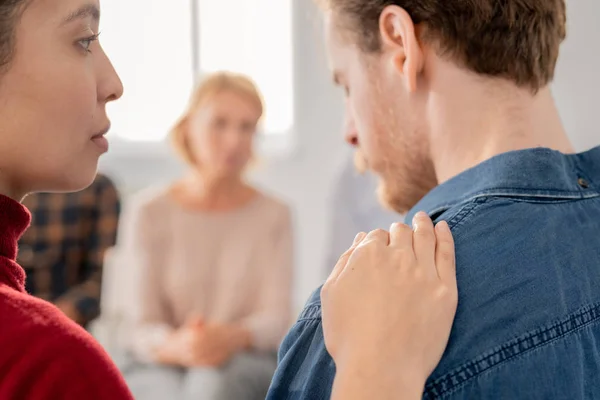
(43, 354)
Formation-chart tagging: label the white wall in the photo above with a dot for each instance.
(306, 176)
(577, 84)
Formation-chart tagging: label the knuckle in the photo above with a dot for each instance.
(447, 255)
(447, 294)
(402, 255)
(368, 246)
(403, 230)
(378, 233)
(402, 227)
(364, 246)
(344, 256)
(424, 233)
(417, 275)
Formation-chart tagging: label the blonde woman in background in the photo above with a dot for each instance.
(213, 260)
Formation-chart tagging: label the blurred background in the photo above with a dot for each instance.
(162, 49)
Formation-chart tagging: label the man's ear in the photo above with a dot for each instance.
(399, 39)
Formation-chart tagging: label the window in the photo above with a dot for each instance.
(152, 46)
(253, 37)
(149, 43)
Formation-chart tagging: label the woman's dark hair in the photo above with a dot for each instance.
(10, 12)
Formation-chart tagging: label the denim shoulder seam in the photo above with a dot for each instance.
(464, 211)
(460, 376)
(310, 312)
(548, 196)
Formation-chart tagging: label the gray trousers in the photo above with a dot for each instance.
(246, 377)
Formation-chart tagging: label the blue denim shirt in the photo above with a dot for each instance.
(527, 231)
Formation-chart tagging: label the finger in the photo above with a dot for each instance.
(445, 256)
(401, 236)
(424, 242)
(343, 260)
(359, 237)
(377, 236)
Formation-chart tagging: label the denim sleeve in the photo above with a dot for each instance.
(306, 370)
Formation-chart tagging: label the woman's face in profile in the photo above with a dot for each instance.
(222, 133)
(53, 96)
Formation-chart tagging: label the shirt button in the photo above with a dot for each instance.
(583, 183)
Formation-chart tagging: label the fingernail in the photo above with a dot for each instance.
(417, 217)
(443, 226)
(421, 214)
(359, 237)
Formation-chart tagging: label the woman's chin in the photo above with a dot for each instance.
(67, 180)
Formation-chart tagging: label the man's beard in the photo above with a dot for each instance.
(401, 186)
(401, 197)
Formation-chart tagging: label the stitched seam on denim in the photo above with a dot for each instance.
(310, 313)
(496, 193)
(457, 378)
(466, 209)
(557, 193)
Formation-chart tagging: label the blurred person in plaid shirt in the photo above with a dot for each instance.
(63, 250)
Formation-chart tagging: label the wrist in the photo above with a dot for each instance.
(241, 337)
(164, 355)
(392, 377)
(166, 352)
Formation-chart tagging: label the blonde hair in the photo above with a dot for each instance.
(205, 91)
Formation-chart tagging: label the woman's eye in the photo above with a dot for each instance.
(87, 42)
(248, 128)
(220, 123)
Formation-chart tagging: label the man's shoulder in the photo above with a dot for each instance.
(483, 215)
(312, 307)
(502, 235)
(522, 285)
(306, 370)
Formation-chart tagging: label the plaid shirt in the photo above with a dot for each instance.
(63, 250)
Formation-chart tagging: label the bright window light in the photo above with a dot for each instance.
(253, 37)
(150, 45)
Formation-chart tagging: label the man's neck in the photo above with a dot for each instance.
(480, 124)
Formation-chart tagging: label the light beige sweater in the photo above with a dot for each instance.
(224, 267)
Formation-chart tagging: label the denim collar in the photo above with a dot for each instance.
(532, 173)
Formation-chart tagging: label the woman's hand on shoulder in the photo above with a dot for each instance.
(389, 304)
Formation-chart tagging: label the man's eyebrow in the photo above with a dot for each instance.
(88, 10)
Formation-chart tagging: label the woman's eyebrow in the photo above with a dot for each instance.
(85, 11)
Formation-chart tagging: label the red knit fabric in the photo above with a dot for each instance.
(43, 354)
